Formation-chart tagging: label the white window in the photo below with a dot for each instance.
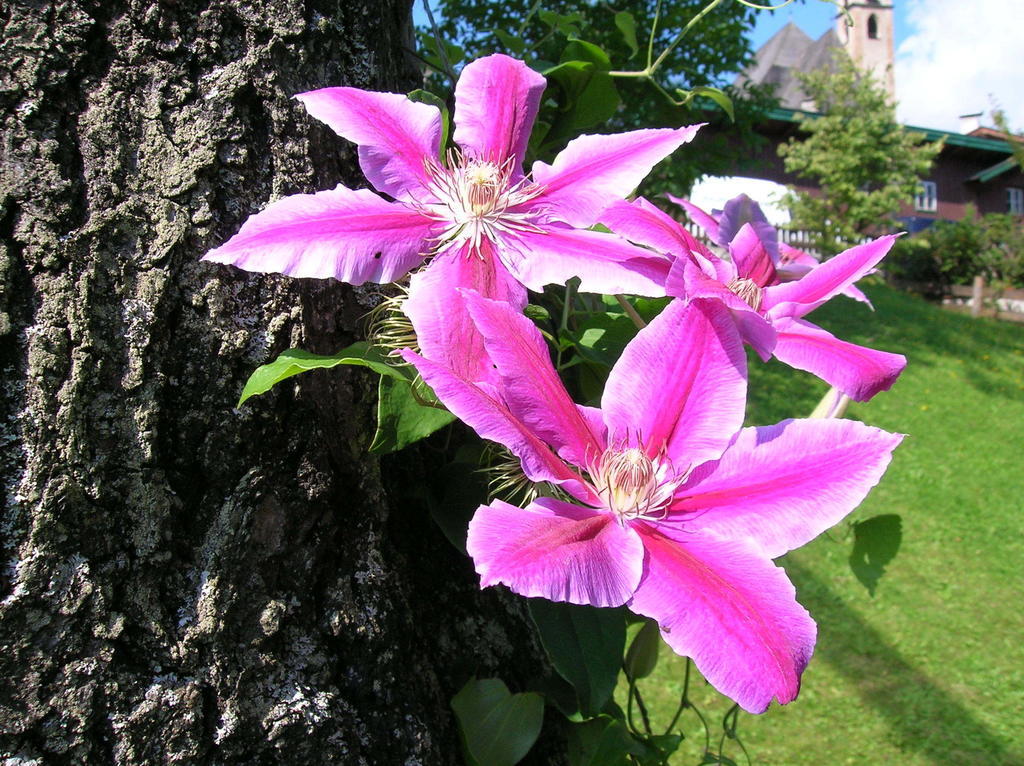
(927, 199)
(1015, 200)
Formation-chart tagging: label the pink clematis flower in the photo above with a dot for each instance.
(768, 310)
(668, 505)
(789, 262)
(486, 225)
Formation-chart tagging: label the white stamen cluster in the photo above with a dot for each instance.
(633, 485)
(748, 290)
(474, 198)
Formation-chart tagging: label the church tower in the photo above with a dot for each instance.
(870, 40)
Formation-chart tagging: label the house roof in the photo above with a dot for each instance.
(787, 52)
(986, 175)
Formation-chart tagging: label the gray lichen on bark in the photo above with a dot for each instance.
(183, 582)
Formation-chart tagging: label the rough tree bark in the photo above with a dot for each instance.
(184, 582)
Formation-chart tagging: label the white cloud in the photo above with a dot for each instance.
(956, 57)
(711, 193)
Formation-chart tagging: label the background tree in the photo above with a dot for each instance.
(713, 50)
(184, 582)
(865, 164)
(1014, 138)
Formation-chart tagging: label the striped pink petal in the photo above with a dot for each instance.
(444, 331)
(858, 371)
(680, 385)
(732, 610)
(394, 135)
(496, 102)
(594, 171)
(350, 235)
(529, 384)
(781, 486)
(557, 551)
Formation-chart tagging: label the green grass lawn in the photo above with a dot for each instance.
(929, 669)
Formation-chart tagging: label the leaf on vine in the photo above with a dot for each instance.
(642, 655)
(295, 361)
(585, 645)
(627, 28)
(402, 418)
(498, 727)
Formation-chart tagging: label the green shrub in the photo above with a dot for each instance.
(954, 252)
(912, 260)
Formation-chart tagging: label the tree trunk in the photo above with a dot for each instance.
(185, 582)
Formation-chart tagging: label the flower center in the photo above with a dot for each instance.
(633, 485)
(483, 186)
(748, 290)
(473, 200)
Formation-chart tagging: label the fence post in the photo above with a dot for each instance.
(978, 289)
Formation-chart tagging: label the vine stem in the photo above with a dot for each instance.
(631, 312)
(652, 67)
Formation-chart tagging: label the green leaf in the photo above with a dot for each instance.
(565, 24)
(581, 50)
(642, 655)
(602, 337)
(665, 744)
(498, 728)
(536, 312)
(295, 361)
(401, 419)
(627, 26)
(602, 741)
(515, 45)
(465, 489)
(715, 94)
(585, 645)
(876, 542)
(421, 96)
(585, 92)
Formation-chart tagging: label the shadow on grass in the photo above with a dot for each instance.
(924, 718)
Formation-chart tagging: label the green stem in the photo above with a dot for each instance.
(684, 700)
(631, 312)
(440, 43)
(643, 711)
(679, 38)
(533, 10)
(650, 40)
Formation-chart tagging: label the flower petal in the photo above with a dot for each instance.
(445, 332)
(603, 262)
(781, 486)
(556, 551)
(857, 371)
(484, 413)
(680, 385)
(394, 135)
(731, 610)
(496, 102)
(353, 236)
(751, 257)
(827, 280)
(741, 211)
(702, 219)
(594, 171)
(693, 278)
(529, 384)
(641, 222)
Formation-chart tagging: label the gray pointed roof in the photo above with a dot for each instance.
(790, 50)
